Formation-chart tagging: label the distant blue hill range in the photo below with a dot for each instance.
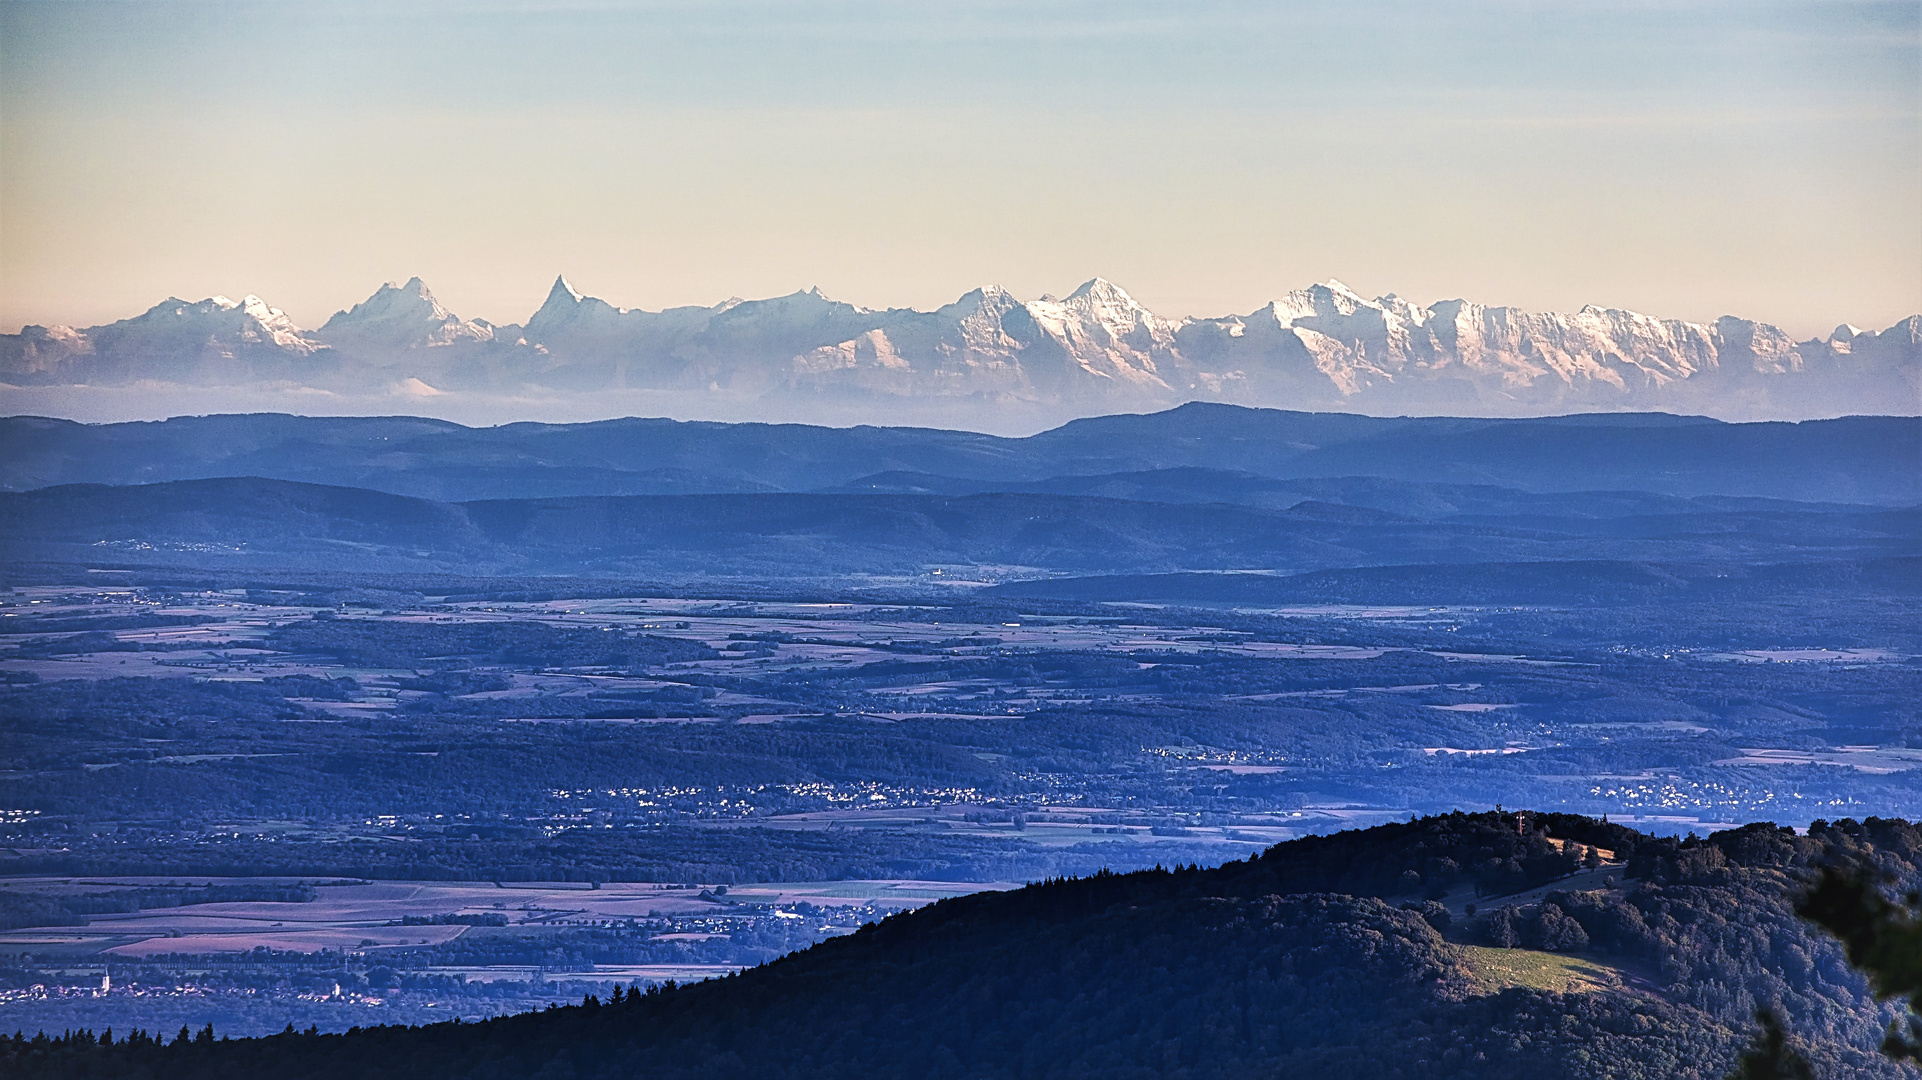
(1613, 507)
(989, 355)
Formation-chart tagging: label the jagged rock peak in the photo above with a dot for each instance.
(562, 292)
(401, 316)
(393, 298)
(564, 304)
(564, 301)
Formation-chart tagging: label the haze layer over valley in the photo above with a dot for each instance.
(989, 361)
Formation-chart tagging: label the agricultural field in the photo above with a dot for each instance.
(433, 948)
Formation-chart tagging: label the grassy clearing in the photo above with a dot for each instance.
(1495, 970)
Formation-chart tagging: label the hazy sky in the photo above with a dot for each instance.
(1688, 159)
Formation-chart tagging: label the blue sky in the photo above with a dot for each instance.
(1685, 159)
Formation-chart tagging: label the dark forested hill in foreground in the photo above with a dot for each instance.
(1320, 957)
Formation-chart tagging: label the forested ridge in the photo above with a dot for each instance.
(1326, 956)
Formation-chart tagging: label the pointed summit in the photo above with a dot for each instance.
(563, 305)
(569, 319)
(562, 292)
(1102, 290)
(1109, 305)
(399, 317)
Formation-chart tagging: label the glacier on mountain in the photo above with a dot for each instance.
(1095, 350)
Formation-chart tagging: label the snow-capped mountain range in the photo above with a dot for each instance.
(1094, 350)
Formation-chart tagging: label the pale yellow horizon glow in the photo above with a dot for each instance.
(660, 158)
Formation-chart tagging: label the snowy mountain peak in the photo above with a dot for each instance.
(1107, 335)
(389, 301)
(181, 335)
(562, 292)
(1333, 296)
(1099, 295)
(259, 311)
(564, 305)
(988, 300)
(399, 316)
(1097, 349)
(1100, 289)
